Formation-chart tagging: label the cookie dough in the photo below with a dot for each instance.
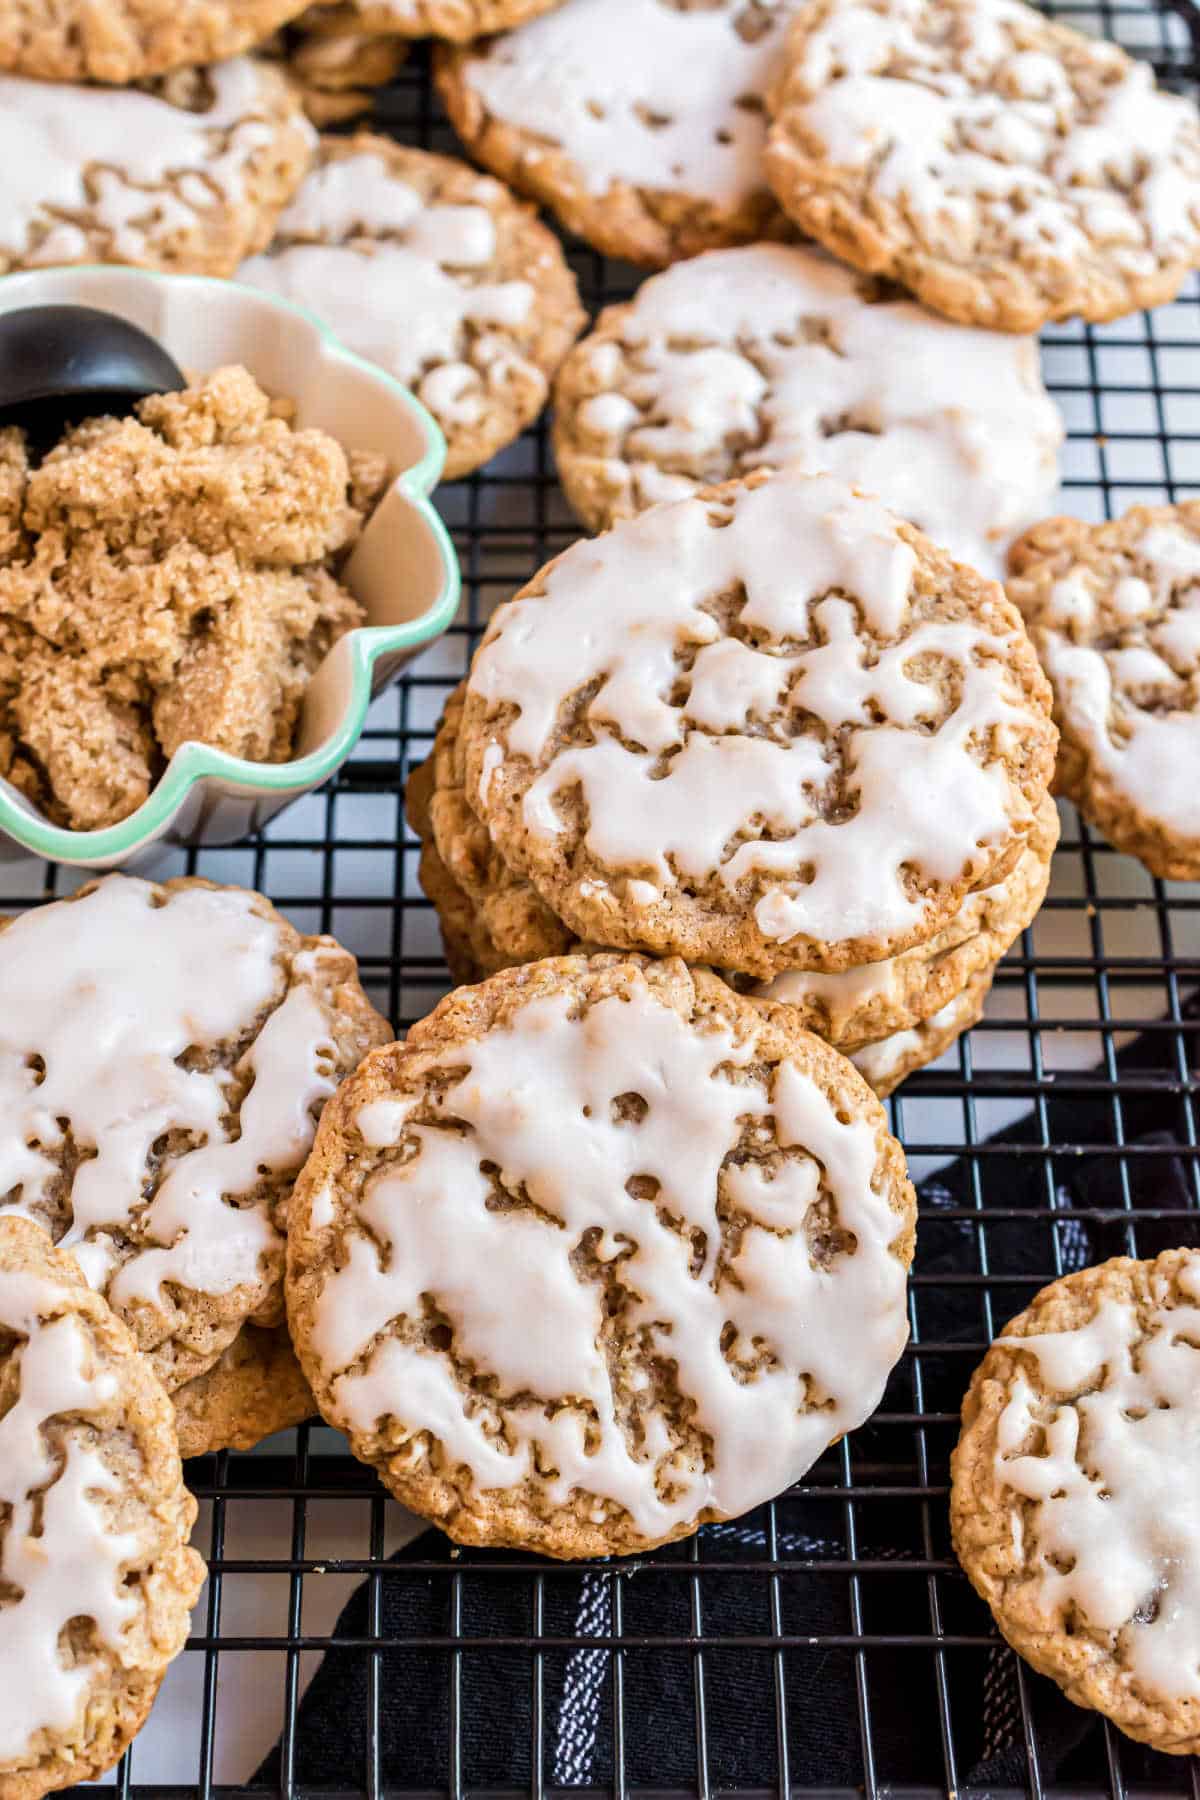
(1114, 614)
(1008, 170)
(164, 1053)
(694, 1219)
(435, 273)
(190, 179)
(1074, 1502)
(638, 122)
(768, 727)
(98, 1581)
(752, 358)
(168, 580)
(255, 1387)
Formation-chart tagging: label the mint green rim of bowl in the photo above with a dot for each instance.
(367, 644)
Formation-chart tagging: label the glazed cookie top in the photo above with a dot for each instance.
(1076, 1499)
(1007, 169)
(752, 358)
(601, 1252)
(768, 727)
(459, 20)
(1114, 613)
(641, 121)
(434, 272)
(163, 1052)
(98, 1582)
(122, 41)
(191, 182)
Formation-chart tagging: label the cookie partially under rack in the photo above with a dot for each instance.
(829, 1643)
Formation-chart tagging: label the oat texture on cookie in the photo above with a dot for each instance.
(1114, 614)
(437, 274)
(255, 1387)
(774, 354)
(1007, 169)
(767, 727)
(188, 179)
(603, 1251)
(98, 1581)
(1076, 1491)
(458, 20)
(122, 41)
(639, 122)
(164, 1053)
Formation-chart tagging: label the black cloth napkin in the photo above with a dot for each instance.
(746, 1704)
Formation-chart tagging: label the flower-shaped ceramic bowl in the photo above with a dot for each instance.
(402, 569)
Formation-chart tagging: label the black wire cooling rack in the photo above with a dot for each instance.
(828, 1644)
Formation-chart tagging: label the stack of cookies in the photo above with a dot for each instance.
(771, 729)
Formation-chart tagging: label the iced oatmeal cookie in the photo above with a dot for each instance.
(458, 20)
(698, 1221)
(123, 41)
(254, 1388)
(1074, 1496)
(170, 581)
(336, 63)
(94, 1520)
(639, 122)
(1006, 169)
(164, 1054)
(768, 727)
(188, 179)
(434, 272)
(1114, 614)
(751, 358)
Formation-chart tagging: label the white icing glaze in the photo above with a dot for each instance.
(154, 167)
(399, 281)
(972, 135)
(639, 91)
(1135, 705)
(109, 992)
(539, 1097)
(631, 602)
(1114, 1474)
(61, 1559)
(773, 346)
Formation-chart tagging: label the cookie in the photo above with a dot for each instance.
(1114, 614)
(638, 122)
(751, 358)
(1007, 170)
(768, 727)
(1073, 1502)
(123, 41)
(337, 63)
(891, 1060)
(683, 1202)
(459, 20)
(189, 179)
(254, 1388)
(435, 273)
(94, 1520)
(164, 1051)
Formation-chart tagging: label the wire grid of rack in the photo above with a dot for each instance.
(1043, 1140)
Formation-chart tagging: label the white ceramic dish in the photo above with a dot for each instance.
(403, 568)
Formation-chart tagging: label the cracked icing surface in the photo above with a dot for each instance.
(767, 727)
(752, 358)
(164, 1052)
(433, 272)
(1006, 169)
(190, 179)
(96, 1581)
(167, 579)
(1076, 1491)
(639, 121)
(1114, 614)
(601, 1252)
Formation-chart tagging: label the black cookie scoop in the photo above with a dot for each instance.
(61, 364)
